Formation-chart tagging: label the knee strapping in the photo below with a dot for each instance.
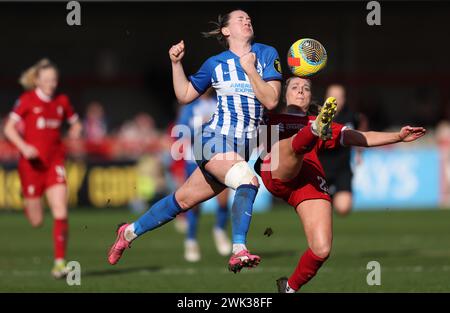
(239, 174)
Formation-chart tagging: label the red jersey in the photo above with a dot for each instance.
(290, 124)
(42, 119)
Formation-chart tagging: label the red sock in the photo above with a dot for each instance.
(306, 269)
(304, 141)
(60, 231)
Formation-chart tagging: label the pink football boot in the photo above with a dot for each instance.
(119, 245)
(242, 259)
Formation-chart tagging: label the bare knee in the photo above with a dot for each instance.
(34, 212)
(343, 210)
(321, 249)
(35, 218)
(36, 222)
(342, 203)
(183, 200)
(57, 199)
(59, 212)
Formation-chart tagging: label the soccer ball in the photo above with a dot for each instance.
(306, 57)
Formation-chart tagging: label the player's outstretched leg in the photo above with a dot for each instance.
(159, 214)
(195, 190)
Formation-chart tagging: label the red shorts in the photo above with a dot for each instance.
(35, 178)
(307, 185)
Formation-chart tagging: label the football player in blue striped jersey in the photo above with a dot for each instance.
(247, 79)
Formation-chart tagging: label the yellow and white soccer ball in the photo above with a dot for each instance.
(306, 57)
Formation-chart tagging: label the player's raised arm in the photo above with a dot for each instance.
(373, 139)
(268, 93)
(184, 91)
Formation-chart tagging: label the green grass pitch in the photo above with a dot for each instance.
(413, 248)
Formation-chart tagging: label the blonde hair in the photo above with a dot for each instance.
(28, 77)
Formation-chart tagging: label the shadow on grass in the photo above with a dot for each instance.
(121, 271)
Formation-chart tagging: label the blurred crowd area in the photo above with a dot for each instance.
(134, 138)
(135, 141)
(139, 136)
(139, 141)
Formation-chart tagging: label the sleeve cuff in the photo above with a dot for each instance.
(15, 117)
(199, 90)
(267, 79)
(73, 119)
(341, 140)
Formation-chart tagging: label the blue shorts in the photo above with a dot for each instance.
(207, 144)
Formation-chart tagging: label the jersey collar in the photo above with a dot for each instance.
(238, 57)
(42, 96)
(293, 109)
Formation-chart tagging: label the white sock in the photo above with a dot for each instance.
(59, 261)
(191, 241)
(289, 289)
(238, 247)
(314, 129)
(129, 233)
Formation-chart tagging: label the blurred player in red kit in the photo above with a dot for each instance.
(41, 165)
(293, 172)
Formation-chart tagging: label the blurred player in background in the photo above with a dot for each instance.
(293, 172)
(336, 163)
(41, 165)
(200, 111)
(95, 127)
(246, 78)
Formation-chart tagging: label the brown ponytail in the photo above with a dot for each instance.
(222, 21)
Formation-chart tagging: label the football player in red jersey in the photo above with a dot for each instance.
(41, 165)
(293, 172)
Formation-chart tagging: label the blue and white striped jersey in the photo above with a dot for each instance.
(238, 112)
